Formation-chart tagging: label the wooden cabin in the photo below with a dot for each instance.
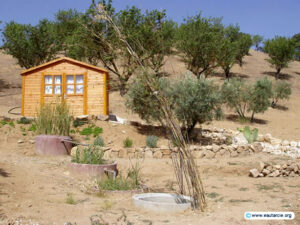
(82, 86)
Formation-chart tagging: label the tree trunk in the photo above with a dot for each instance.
(123, 89)
(252, 117)
(190, 129)
(227, 74)
(277, 73)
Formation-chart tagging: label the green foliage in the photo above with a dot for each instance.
(296, 39)
(11, 123)
(262, 92)
(99, 141)
(30, 45)
(70, 200)
(24, 120)
(127, 143)
(236, 95)
(250, 135)
(89, 155)
(32, 127)
(78, 123)
(95, 130)
(3, 122)
(281, 51)
(198, 40)
(244, 43)
(53, 119)
(193, 100)
(151, 141)
(282, 90)
(131, 182)
(257, 40)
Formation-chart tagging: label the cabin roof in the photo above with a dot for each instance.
(60, 60)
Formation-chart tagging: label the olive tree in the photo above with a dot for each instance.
(261, 96)
(236, 95)
(193, 101)
(256, 41)
(281, 51)
(282, 90)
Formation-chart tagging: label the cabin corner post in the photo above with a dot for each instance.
(85, 96)
(105, 93)
(42, 89)
(23, 95)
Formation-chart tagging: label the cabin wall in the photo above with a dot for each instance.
(95, 98)
(32, 94)
(95, 92)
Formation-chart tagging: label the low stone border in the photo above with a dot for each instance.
(289, 169)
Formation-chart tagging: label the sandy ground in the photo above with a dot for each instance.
(34, 188)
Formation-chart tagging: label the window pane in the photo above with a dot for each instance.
(70, 89)
(79, 79)
(48, 90)
(48, 79)
(70, 79)
(57, 79)
(79, 89)
(57, 90)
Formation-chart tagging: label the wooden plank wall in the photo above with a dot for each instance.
(95, 90)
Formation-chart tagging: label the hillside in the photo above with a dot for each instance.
(282, 123)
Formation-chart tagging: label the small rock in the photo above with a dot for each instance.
(20, 141)
(157, 155)
(268, 138)
(73, 151)
(198, 154)
(254, 173)
(166, 151)
(102, 117)
(296, 169)
(123, 131)
(123, 153)
(209, 147)
(239, 140)
(278, 167)
(31, 141)
(209, 154)
(265, 172)
(293, 144)
(233, 154)
(292, 174)
(83, 117)
(275, 141)
(163, 147)
(215, 148)
(298, 144)
(148, 154)
(261, 166)
(285, 143)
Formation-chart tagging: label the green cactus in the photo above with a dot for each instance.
(250, 135)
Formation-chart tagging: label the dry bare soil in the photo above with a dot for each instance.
(34, 189)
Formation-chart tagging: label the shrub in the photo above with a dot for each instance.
(151, 141)
(236, 95)
(24, 120)
(54, 120)
(70, 200)
(2, 122)
(89, 155)
(250, 135)
(11, 123)
(132, 181)
(77, 122)
(91, 130)
(127, 143)
(282, 90)
(32, 128)
(260, 97)
(99, 141)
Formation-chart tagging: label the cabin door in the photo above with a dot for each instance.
(74, 94)
(66, 88)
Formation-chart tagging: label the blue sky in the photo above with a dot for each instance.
(265, 17)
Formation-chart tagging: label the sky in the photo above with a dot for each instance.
(264, 17)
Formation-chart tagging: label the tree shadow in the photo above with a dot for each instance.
(231, 75)
(281, 107)
(3, 173)
(145, 129)
(236, 118)
(282, 76)
(297, 73)
(4, 85)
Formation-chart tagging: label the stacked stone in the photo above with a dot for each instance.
(289, 169)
